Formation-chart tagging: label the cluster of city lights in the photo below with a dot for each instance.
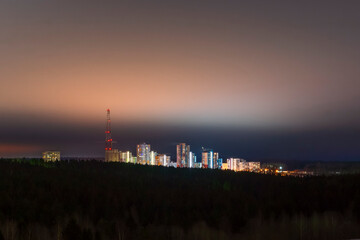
(184, 159)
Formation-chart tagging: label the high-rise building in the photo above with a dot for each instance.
(143, 153)
(207, 158)
(216, 158)
(51, 156)
(125, 156)
(219, 163)
(182, 155)
(152, 157)
(192, 160)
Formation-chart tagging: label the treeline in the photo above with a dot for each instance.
(95, 200)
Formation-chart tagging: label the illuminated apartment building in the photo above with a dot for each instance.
(125, 157)
(224, 166)
(51, 156)
(219, 163)
(207, 158)
(254, 166)
(152, 157)
(192, 160)
(112, 155)
(162, 160)
(236, 164)
(243, 166)
(216, 158)
(182, 155)
(143, 153)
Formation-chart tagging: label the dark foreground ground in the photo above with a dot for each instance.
(93, 200)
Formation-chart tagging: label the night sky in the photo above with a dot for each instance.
(251, 79)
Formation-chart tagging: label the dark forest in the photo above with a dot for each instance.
(96, 200)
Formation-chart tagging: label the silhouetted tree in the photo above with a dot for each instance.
(72, 231)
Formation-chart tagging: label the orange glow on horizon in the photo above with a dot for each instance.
(6, 149)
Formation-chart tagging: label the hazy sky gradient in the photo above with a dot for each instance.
(261, 69)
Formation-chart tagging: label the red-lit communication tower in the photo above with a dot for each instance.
(108, 139)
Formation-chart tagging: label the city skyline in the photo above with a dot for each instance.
(251, 79)
(205, 139)
(180, 119)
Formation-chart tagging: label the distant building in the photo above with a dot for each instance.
(197, 165)
(192, 160)
(182, 155)
(126, 157)
(152, 157)
(162, 160)
(172, 164)
(216, 158)
(232, 163)
(236, 164)
(243, 166)
(209, 158)
(254, 166)
(273, 167)
(143, 153)
(219, 163)
(112, 155)
(134, 160)
(51, 156)
(224, 166)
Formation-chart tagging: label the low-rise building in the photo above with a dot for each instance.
(51, 156)
(197, 165)
(224, 166)
(112, 155)
(236, 164)
(172, 164)
(162, 160)
(126, 157)
(254, 166)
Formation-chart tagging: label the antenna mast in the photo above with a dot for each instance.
(108, 139)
